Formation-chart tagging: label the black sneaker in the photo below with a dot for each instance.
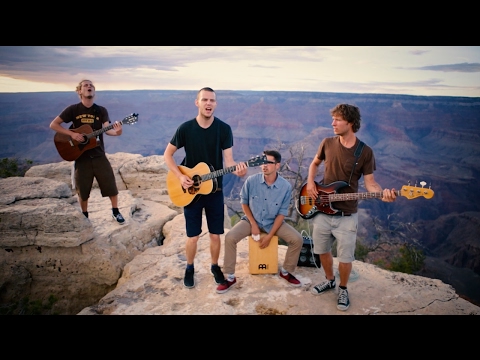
(322, 288)
(119, 218)
(188, 280)
(217, 274)
(343, 301)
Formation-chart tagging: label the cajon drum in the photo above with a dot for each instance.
(263, 261)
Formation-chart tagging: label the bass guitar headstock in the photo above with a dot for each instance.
(412, 192)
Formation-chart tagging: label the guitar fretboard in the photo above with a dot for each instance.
(106, 128)
(253, 162)
(102, 130)
(325, 198)
(354, 196)
(218, 173)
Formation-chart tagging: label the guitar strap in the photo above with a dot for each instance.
(358, 152)
(219, 146)
(96, 111)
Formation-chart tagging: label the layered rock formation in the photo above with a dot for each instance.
(96, 266)
(50, 248)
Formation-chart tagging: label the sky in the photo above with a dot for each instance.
(407, 70)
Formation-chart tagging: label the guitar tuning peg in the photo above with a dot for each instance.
(423, 183)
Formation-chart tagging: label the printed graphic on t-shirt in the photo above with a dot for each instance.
(86, 118)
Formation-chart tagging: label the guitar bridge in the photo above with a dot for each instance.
(312, 211)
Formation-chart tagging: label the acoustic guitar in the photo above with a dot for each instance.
(308, 207)
(70, 149)
(204, 178)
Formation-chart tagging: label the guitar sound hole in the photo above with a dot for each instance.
(196, 181)
(85, 141)
(196, 185)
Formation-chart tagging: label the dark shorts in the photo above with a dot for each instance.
(214, 213)
(86, 169)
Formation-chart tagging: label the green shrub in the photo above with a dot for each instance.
(361, 251)
(30, 307)
(14, 167)
(409, 261)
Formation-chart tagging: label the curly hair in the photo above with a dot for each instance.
(350, 113)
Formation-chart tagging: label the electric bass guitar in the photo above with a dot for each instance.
(308, 207)
(204, 180)
(70, 149)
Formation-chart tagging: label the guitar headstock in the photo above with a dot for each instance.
(130, 119)
(412, 192)
(258, 160)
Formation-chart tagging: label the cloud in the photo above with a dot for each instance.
(463, 67)
(42, 63)
(374, 69)
(418, 52)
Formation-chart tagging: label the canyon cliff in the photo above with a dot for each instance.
(53, 255)
(415, 139)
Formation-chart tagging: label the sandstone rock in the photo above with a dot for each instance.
(96, 266)
(62, 171)
(152, 284)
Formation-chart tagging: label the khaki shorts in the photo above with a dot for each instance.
(327, 228)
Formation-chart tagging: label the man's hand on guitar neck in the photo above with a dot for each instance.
(241, 169)
(389, 195)
(372, 186)
(117, 129)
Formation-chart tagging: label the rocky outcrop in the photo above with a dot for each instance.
(152, 284)
(50, 248)
(96, 266)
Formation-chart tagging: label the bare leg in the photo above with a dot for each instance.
(114, 200)
(215, 246)
(344, 270)
(83, 204)
(191, 249)
(327, 264)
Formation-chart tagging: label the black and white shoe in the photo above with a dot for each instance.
(343, 300)
(119, 218)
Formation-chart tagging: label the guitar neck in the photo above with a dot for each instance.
(100, 131)
(357, 196)
(218, 173)
(252, 162)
